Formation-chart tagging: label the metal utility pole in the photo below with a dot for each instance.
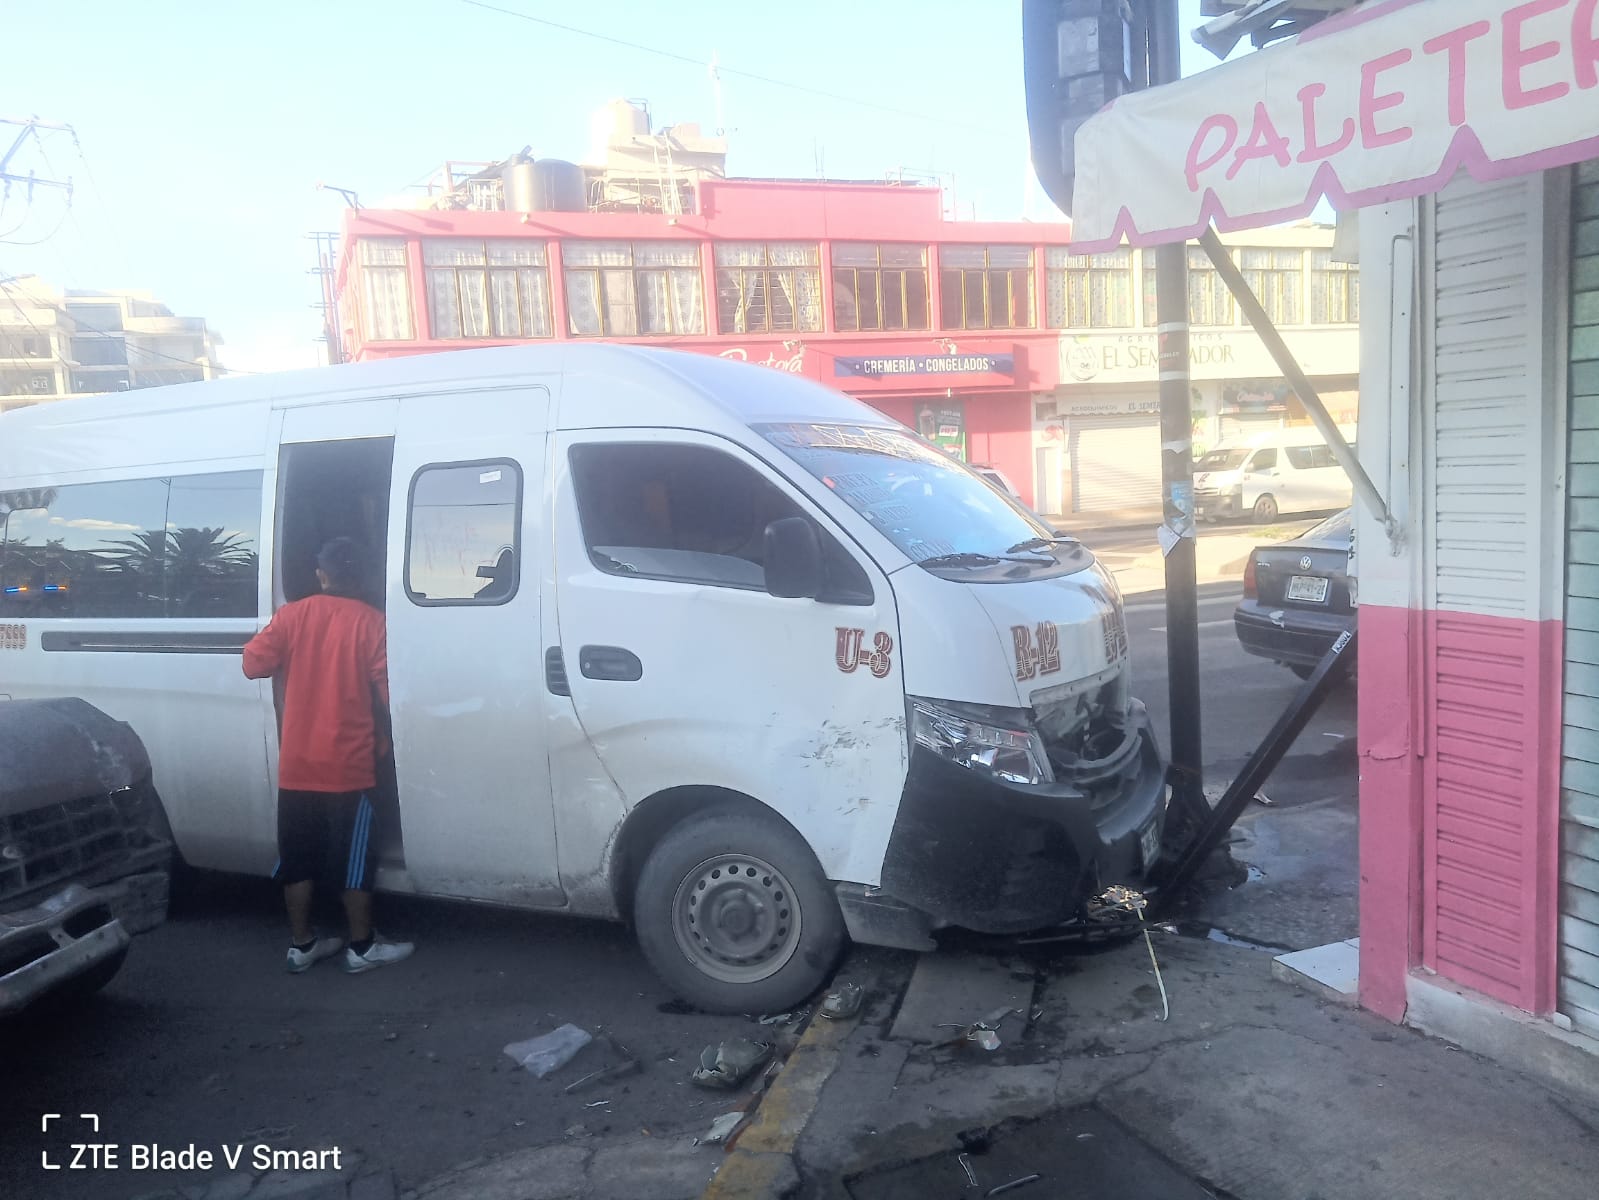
(1177, 474)
(28, 129)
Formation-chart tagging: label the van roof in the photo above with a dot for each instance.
(1299, 434)
(642, 386)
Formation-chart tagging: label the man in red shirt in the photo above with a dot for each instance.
(330, 653)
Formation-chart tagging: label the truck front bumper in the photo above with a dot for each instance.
(47, 945)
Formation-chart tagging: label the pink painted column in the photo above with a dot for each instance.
(1391, 780)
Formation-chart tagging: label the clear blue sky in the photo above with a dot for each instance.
(206, 124)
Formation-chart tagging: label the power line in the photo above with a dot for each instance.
(30, 128)
(81, 326)
(751, 75)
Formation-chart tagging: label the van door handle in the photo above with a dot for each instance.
(609, 662)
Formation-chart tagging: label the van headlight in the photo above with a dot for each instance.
(1000, 741)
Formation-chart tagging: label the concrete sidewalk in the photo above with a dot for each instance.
(1253, 1089)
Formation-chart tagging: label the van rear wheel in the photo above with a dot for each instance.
(734, 914)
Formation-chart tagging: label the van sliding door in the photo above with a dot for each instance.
(465, 662)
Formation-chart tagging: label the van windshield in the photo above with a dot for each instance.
(1222, 460)
(930, 505)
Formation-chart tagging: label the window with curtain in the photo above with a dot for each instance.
(768, 287)
(633, 289)
(986, 287)
(1088, 291)
(1209, 301)
(1334, 290)
(1277, 277)
(494, 289)
(385, 290)
(879, 287)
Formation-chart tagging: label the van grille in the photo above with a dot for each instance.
(57, 842)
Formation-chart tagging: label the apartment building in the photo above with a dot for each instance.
(61, 342)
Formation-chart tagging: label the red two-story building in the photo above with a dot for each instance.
(865, 287)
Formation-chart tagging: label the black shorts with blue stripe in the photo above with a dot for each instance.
(328, 837)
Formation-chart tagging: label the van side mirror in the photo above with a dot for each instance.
(793, 556)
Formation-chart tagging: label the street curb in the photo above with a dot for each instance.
(760, 1164)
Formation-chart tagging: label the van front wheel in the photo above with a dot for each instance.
(733, 912)
(1265, 510)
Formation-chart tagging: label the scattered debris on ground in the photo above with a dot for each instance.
(843, 1002)
(726, 1065)
(551, 1051)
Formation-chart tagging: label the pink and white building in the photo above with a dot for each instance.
(1465, 134)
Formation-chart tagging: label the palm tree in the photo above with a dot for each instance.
(26, 498)
(21, 500)
(182, 567)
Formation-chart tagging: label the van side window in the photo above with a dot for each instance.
(463, 533)
(1303, 458)
(692, 515)
(1265, 460)
(177, 546)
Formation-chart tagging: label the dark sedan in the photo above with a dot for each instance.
(1297, 596)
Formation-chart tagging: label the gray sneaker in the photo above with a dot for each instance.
(379, 954)
(322, 947)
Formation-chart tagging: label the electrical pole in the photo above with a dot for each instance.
(28, 129)
(1177, 474)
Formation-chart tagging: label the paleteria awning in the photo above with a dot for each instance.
(1384, 101)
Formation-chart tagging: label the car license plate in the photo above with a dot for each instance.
(1311, 588)
(1149, 844)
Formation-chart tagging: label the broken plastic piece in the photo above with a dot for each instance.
(722, 1128)
(725, 1066)
(981, 1033)
(551, 1051)
(842, 1002)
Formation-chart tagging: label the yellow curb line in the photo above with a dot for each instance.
(757, 1161)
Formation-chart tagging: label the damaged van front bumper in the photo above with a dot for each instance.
(986, 853)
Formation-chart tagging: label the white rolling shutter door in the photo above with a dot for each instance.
(1115, 463)
(1578, 996)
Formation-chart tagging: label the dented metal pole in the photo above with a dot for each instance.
(1303, 388)
(1176, 533)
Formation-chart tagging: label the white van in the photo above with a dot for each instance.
(672, 639)
(1283, 471)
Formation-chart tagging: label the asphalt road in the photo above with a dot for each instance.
(203, 1038)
